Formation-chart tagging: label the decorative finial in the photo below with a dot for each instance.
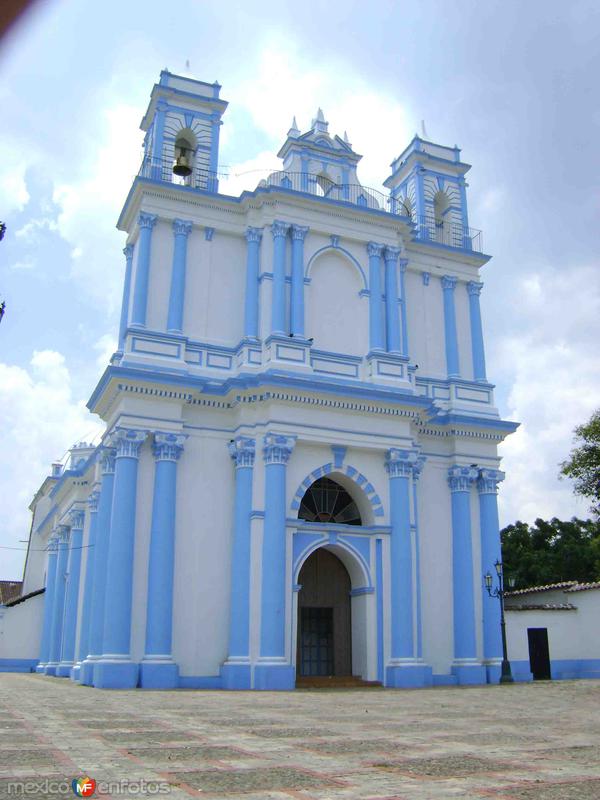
(423, 130)
(294, 131)
(318, 123)
(346, 139)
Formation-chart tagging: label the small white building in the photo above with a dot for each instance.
(299, 471)
(553, 631)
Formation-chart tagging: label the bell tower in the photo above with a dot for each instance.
(427, 185)
(182, 132)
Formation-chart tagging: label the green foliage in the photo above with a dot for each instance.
(550, 552)
(583, 466)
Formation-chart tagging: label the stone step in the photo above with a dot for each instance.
(334, 682)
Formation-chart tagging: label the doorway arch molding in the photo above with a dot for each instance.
(350, 556)
(349, 471)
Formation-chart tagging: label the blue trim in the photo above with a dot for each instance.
(337, 249)
(379, 579)
(462, 577)
(18, 664)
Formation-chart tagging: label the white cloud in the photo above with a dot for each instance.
(550, 357)
(30, 230)
(284, 84)
(25, 263)
(105, 347)
(13, 165)
(40, 419)
(90, 203)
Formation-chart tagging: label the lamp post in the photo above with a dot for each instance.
(506, 674)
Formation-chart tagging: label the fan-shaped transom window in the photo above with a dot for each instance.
(327, 501)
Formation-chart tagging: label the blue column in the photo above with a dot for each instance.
(253, 237)
(273, 671)
(128, 253)
(96, 633)
(48, 604)
(279, 232)
(213, 181)
(58, 606)
(83, 648)
(158, 159)
(297, 305)
(452, 361)
(403, 307)
(76, 518)
(491, 551)
(146, 223)
(404, 668)
(417, 469)
(392, 320)
(466, 668)
(181, 231)
(374, 251)
(158, 670)
(115, 669)
(474, 289)
(236, 670)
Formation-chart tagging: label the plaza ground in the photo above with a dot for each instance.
(536, 741)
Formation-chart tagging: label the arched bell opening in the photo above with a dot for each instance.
(184, 153)
(441, 207)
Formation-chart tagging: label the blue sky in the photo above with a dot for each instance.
(514, 84)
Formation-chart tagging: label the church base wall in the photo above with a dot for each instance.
(159, 675)
(115, 674)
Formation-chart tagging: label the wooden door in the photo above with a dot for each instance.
(324, 618)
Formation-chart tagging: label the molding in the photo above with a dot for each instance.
(357, 477)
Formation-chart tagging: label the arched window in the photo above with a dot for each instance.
(324, 183)
(406, 208)
(327, 501)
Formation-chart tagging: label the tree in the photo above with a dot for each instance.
(583, 466)
(551, 552)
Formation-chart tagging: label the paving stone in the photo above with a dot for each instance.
(20, 757)
(147, 737)
(579, 790)
(247, 780)
(167, 754)
(451, 766)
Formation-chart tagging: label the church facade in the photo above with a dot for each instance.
(299, 471)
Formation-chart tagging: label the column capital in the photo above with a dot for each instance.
(403, 262)
(242, 450)
(77, 519)
(418, 467)
(253, 234)
(401, 462)
(108, 460)
(460, 479)
(53, 544)
(277, 448)
(168, 446)
(299, 232)
(63, 533)
(391, 254)
(93, 500)
(279, 229)
(488, 480)
(449, 282)
(127, 442)
(374, 249)
(147, 220)
(128, 251)
(474, 287)
(182, 227)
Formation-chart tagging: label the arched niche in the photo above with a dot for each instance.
(336, 313)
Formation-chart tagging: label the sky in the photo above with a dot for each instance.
(513, 83)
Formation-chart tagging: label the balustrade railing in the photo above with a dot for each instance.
(426, 228)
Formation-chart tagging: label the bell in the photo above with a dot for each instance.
(182, 166)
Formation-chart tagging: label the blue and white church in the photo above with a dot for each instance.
(299, 470)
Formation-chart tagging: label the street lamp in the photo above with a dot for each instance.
(506, 675)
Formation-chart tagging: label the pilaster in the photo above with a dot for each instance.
(58, 605)
(128, 253)
(158, 670)
(474, 289)
(392, 321)
(273, 670)
(279, 232)
(115, 669)
(76, 521)
(236, 671)
(146, 223)
(88, 586)
(374, 252)
(181, 231)
(491, 551)
(451, 339)
(297, 292)
(466, 667)
(48, 604)
(253, 239)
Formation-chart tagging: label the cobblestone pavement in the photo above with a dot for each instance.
(524, 742)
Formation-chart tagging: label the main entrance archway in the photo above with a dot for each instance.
(324, 617)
